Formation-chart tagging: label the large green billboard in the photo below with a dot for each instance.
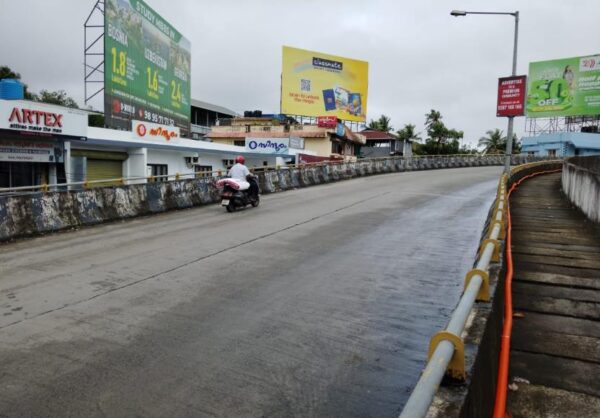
(146, 67)
(564, 87)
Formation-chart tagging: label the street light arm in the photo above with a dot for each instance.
(509, 139)
(464, 13)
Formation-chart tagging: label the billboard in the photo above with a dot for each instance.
(564, 87)
(511, 96)
(316, 84)
(146, 68)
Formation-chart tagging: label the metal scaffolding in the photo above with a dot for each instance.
(93, 52)
(536, 126)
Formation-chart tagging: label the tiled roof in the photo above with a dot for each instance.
(373, 135)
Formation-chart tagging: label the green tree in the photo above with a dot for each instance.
(408, 133)
(96, 119)
(381, 124)
(495, 142)
(53, 97)
(440, 139)
(7, 72)
(58, 98)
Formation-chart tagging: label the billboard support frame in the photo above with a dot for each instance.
(93, 60)
(556, 124)
(354, 126)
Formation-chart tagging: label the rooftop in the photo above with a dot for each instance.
(212, 107)
(375, 135)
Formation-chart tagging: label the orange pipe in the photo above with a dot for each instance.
(503, 362)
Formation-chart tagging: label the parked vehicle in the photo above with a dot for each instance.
(236, 194)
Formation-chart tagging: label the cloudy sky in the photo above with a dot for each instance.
(420, 57)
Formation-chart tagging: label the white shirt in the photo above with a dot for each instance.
(239, 172)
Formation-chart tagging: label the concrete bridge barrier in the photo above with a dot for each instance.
(37, 212)
(581, 184)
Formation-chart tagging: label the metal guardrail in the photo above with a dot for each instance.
(219, 173)
(446, 348)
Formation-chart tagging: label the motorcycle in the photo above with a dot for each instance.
(236, 194)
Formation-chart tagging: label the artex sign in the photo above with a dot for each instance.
(155, 132)
(42, 120)
(511, 96)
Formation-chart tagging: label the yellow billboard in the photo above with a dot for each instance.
(316, 84)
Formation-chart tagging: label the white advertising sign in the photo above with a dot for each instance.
(296, 142)
(268, 145)
(154, 132)
(42, 120)
(22, 150)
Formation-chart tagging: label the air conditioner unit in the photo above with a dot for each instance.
(189, 161)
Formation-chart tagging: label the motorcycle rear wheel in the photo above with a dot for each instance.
(230, 208)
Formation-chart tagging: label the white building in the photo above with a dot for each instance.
(47, 144)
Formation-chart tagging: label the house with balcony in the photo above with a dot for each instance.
(384, 144)
(328, 143)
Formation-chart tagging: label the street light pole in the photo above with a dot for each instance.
(509, 133)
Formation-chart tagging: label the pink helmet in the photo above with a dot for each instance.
(239, 159)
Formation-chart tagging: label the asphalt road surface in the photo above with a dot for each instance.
(320, 302)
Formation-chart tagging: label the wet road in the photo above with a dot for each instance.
(319, 303)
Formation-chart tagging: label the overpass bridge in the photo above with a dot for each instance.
(318, 303)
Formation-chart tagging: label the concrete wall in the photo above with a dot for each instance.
(39, 213)
(581, 184)
(319, 146)
(174, 160)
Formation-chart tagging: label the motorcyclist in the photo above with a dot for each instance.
(240, 172)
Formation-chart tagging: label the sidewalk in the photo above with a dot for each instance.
(556, 295)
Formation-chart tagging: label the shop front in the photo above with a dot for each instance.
(32, 141)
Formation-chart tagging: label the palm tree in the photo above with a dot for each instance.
(381, 124)
(432, 117)
(493, 143)
(408, 133)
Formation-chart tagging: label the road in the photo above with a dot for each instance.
(320, 302)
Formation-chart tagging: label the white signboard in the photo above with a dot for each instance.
(268, 145)
(153, 132)
(22, 150)
(296, 142)
(42, 120)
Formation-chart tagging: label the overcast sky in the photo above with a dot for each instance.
(419, 56)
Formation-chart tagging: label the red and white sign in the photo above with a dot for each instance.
(43, 120)
(327, 121)
(154, 131)
(511, 96)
